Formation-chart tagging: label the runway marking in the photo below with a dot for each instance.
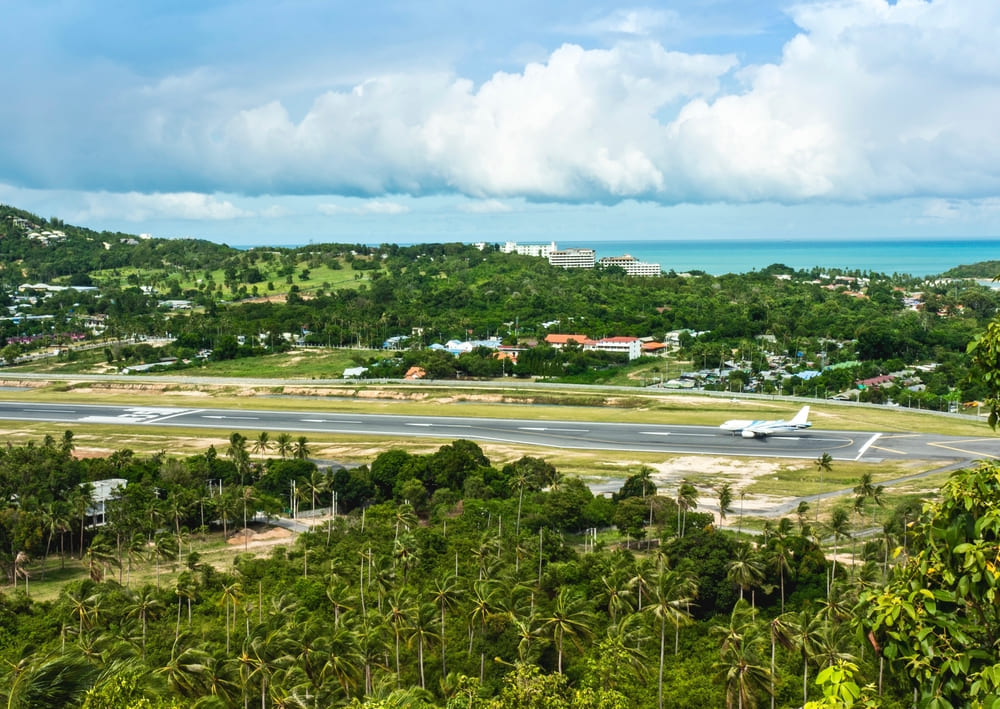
(888, 450)
(676, 433)
(234, 418)
(557, 430)
(422, 425)
(177, 413)
(962, 450)
(48, 411)
(867, 445)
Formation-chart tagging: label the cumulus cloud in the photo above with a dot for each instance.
(868, 101)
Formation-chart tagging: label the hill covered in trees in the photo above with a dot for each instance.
(444, 580)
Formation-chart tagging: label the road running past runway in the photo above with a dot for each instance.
(580, 435)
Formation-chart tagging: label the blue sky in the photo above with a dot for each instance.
(267, 122)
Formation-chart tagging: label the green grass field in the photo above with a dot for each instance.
(321, 276)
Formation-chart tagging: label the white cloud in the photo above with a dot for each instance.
(869, 101)
(638, 22)
(138, 207)
(370, 207)
(485, 206)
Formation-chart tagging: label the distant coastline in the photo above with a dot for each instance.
(916, 257)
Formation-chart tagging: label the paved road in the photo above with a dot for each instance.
(842, 445)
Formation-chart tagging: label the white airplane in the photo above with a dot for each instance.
(763, 427)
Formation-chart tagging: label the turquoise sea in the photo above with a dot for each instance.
(917, 257)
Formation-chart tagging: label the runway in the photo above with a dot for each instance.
(704, 440)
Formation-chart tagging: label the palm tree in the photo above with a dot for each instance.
(446, 594)
(317, 484)
(824, 464)
(80, 500)
(145, 605)
(85, 608)
(569, 617)
(262, 444)
(840, 527)
(301, 448)
(237, 451)
(231, 595)
(673, 592)
(98, 557)
(343, 659)
(185, 670)
(725, 492)
(420, 631)
(805, 633)
(284, 444)
(779, 556)
(741, 646)
(184, 588)
(483, 598)
(745, 569)
(687, 499)
(400, 608)
(405, 516)
(615, 587)
(782, 632)
(54, 521)
(54, 680)
(165, 549)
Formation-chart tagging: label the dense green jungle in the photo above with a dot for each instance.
(443, 580)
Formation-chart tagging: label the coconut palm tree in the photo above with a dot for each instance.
(805, 632)
(570, 617)
(301, 448)
(231, 596)
(781, 630)
(725, 493)
(262, 444)
(840, 528)
(284, 444)
(741, 645)
(420, 631)
(779, 557)
(98, 557)
(824, 464)
(446, 594)
(746, 569)
(164, 549)
(145, 605)
(687, 499)
(672, 593)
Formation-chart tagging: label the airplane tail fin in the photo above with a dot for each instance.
(802, 417)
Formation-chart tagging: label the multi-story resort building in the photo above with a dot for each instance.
(537, 250)
(631, 265)
(573, 258)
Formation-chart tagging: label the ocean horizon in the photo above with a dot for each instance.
(916, 257)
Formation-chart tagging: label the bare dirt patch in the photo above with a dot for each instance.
(254, 539)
